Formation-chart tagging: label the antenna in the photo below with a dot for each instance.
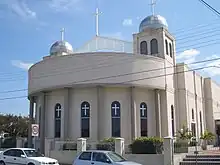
(153, 3)
(62, 34)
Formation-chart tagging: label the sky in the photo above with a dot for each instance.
(29, 27)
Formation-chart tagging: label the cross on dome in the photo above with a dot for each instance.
(97, 13)
(62, 34)
(153, 3)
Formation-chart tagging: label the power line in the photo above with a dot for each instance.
(210, 7)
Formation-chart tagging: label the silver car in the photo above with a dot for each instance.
(99, 157)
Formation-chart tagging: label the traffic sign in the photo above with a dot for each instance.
(35, 129)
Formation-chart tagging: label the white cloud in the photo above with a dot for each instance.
(21, 64)
(20, 8)
(213, 71)
(64, 5)
(127, 22)
(190, 53)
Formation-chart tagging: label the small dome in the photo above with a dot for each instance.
(153, 21)
(61, 48)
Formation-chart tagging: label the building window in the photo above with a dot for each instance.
(171, 50)
(143, 117)
(172, 121)
(200, 117)
(116, 119)
(193, 115)
(143, 47)
(154, 46)
(193, 129)
(85, 119)
(57, 116)
(166, 44)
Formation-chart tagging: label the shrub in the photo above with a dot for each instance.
(69, 146)
(106, 144)
(9, 142)
(147, 145)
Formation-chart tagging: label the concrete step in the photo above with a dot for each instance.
(200, 163)
(203, 156)
(202, 159)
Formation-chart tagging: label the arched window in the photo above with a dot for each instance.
(154, 46)
(166, 44)
(171, 50)
(143, 117)
(200, 120)
(193, 115)
(172, 121)
(57, 117)
(85, 119)
(143, 47)
(116, 119)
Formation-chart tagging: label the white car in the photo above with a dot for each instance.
(24, 156)
(98, 157)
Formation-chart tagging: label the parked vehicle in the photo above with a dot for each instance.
(98, 157)
(25, 156)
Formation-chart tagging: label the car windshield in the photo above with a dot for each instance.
(116, 157)
(32, 153)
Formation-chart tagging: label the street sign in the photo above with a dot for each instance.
(35, 129)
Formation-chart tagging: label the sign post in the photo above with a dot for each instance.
(35, 130)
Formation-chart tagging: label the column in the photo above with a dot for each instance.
(168, 151)
(31, 119)
(81, 145)
(133, 114)
(158, 113)
(119, 146)
(66, 113)
(100, 106)
(42, 124)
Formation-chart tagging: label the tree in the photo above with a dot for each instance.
(14, 125)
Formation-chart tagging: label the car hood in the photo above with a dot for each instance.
(127, 163)
(43, 159)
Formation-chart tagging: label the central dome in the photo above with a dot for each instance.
(61, 48)
(154, 22)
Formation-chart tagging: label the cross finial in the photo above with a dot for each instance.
(153, 3)
(97, 13)
(62, 34)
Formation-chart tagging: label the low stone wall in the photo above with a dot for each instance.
(64, 157)
(67, 157)
(146, 159)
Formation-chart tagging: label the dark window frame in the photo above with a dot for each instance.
(154, 46)
(143, 119)
(57, 120)
(143, 48)
(116, 118)
(85, 119)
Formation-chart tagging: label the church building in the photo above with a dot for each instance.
(114, 88)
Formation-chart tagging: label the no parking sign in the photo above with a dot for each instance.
(35, 129)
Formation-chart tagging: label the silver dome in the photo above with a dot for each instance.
(61, 48)
(153, 21)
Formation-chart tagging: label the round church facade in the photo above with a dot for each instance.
(97, 95)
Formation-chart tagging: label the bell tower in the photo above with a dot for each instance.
(154, 38)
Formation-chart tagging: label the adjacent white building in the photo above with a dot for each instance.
(134, 89)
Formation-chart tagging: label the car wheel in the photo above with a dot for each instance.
(29, 164)
(2, 163)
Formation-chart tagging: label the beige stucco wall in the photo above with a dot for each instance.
(100, 121)
(96, 68)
